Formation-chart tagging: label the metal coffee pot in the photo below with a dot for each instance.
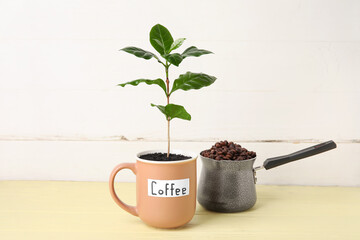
(229, 185)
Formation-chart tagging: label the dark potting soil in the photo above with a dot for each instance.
(162, 157)
(225, 150)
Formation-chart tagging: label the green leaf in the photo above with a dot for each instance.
(161, 39)
(140, 53)
(191, 80)
(174, 58)
(177, 111)
(173, 111)
(177, 43)
(161, 108)
(194, 52)
(158, 82)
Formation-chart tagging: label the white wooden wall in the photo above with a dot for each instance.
(288, 72)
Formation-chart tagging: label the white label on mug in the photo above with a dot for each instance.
(168, 188)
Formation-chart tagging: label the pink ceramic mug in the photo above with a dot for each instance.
(165, 191)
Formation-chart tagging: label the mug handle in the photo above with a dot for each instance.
(130, 209)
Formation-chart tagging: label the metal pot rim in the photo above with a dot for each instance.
(227, 161)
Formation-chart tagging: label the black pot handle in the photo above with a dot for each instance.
(307, 152)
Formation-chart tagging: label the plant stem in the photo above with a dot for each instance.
(168, 101)
(168, 126)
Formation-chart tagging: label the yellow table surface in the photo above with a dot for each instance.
(84, 210)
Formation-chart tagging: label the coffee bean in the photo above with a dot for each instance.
(225, 150)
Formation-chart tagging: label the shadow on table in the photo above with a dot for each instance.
(204, 216)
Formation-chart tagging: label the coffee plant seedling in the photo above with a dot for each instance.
(164, 44)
